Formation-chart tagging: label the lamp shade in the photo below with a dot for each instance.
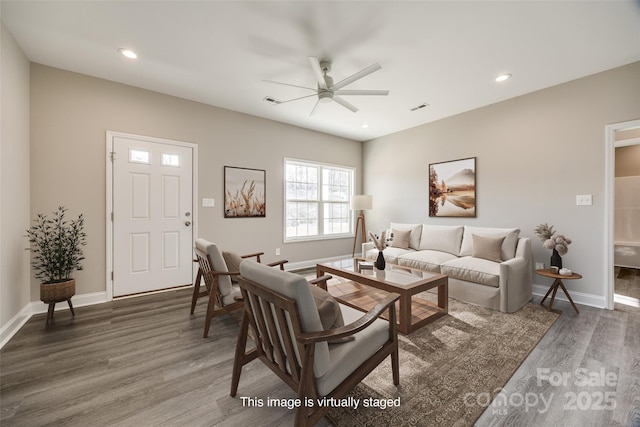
(361, 202)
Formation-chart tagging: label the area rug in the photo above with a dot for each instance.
(448, 366)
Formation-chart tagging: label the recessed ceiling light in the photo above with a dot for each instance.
(128, 53)
(365, 125)
(503, 77)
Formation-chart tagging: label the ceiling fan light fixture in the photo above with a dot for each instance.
(325, 97)
(503, 77)
(126, 52)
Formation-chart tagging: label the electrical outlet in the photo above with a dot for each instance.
(584, 200)
(277, 251)
(539, 265)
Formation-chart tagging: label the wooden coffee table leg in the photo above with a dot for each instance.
(569, 297)
(405, 314)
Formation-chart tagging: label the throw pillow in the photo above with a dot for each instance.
(487, 247)
(329, 311)
(233, 261)
(400, 238)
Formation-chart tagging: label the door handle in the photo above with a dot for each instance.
(187, 223)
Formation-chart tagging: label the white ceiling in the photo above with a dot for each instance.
(446, 54)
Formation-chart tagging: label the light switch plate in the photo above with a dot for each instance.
(584, 200)
(208, 203)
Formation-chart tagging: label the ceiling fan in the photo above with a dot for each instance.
(328, 91)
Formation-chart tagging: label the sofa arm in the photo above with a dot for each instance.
(366, 247)
(515, 278)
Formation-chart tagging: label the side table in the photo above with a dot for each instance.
(554, 287)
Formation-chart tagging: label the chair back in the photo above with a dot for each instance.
(210, 259)
(280, 306)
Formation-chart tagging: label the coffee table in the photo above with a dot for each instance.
(364, 288)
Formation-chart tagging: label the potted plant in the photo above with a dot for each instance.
(56, 247)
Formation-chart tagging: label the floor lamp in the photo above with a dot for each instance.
(360, 203)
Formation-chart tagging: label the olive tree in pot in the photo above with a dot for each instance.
(56, 248)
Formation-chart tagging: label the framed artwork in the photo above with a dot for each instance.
(452, 188)
(244, 192)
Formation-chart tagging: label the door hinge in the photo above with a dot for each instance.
(112, 275)
(111, 216)
(112, 155)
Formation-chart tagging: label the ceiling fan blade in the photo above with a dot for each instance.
(295, 99)
(317, 70)
(360, 74)
(287, 84)
(361, 92)
(345, 103)
(314, 108)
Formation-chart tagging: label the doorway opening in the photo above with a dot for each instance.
(623, 214)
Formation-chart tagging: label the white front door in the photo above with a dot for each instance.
(152, 215)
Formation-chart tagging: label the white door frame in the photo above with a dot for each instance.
(109, 204)
(609, 202)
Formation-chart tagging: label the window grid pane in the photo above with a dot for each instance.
(336, 218)
(317, 200)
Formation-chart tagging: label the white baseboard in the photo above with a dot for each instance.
(36, 307)
(10, 328)
(622, 299)
(591, 300)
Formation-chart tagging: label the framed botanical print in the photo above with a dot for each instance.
(244, 192)
(452, 188)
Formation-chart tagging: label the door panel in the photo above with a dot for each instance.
(152, 206)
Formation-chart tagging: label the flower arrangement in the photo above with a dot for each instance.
(379, 242)
(553, 240)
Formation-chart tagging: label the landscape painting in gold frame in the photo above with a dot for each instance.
(452, 188)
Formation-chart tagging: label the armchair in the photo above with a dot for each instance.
(286, 327)
(224, 296)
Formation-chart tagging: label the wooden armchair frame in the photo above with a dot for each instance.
(211, 279)
(282, 359)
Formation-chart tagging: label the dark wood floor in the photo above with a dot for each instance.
(143, 362)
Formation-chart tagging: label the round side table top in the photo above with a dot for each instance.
(547, 273)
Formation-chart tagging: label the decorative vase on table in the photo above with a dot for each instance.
(380, 262)
(556, 259)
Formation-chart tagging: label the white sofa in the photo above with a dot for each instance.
(482, 268)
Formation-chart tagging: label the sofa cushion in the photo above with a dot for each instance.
(425, 260)
(416, 230)
(400, 238)
(487, 247)
(508, 250)
(391, 254)
(476, 270)
(443, 238)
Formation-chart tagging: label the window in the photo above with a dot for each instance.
(317, 200)
(139, 156)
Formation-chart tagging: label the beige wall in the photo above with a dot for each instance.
(535, 153)
(628, 160)
(70, 114)
(14, 179)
